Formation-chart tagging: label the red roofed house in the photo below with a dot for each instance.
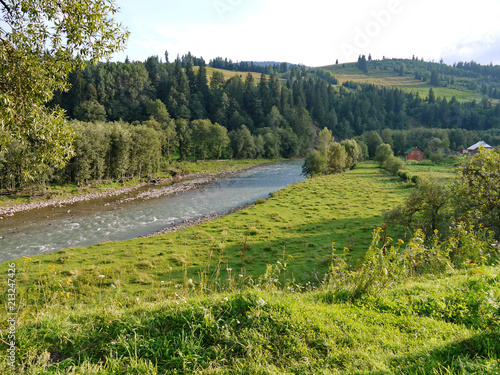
(414, 154)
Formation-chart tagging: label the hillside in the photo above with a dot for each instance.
(417, 77)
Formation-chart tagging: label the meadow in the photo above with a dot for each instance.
(268, 290)
(407, 83)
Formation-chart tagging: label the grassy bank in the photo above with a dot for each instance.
(446, 325)
(247, 294)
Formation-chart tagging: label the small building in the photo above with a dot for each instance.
(474, 149)
(414, 154)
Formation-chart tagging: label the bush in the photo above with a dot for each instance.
(405, 175)
(393, 164)
(314, 164)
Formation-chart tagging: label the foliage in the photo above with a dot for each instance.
(426, 208)
(330, 156)
(40, 44)
(393, 164)
(477, 188)
(314, 164)
(383, 153)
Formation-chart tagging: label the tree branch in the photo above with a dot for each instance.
(7, 8)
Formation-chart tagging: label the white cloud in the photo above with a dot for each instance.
(315, 32)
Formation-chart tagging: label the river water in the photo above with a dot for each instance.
(110, 219)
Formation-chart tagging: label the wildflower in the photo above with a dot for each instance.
(401, 242)
(101, 276)
(67, 295)
(68, 281)
(229, 269)
(226, 299)
(240, 275)
(117, 282)
(26, 258)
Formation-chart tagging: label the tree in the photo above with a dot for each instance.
(324, 139)
(218, 140)
(383, 153)
(353, 152)
(337, 158)
(41, 42)
(372, 140)
(432, 97)
(476, 191)
(242, 143)
(425, 208)
(314, 164)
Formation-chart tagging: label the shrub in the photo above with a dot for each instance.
(393, 164)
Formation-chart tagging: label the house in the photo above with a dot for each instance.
(474, 149)
(414, 154)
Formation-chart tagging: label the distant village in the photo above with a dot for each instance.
(415, 154)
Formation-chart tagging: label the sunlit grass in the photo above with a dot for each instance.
(240, 295)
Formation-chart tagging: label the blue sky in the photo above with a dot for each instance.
(313, 32)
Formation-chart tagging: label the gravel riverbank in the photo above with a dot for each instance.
(156, 190)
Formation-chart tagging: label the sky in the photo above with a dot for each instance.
(312, 32)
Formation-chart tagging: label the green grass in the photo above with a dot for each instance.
(444, 170)
(407, 83)
(403, 331)
(219, 298)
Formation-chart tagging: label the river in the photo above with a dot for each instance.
(88, 223)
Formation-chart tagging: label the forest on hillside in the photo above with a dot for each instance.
(133, 118)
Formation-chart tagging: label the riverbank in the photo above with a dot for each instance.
(201, 220)
(186, 176)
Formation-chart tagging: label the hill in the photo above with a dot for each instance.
(464, 81)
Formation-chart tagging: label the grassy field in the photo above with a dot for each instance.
(301, 221)
(444, 171)
(229, 73)
(247, 294)
(407, 83)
